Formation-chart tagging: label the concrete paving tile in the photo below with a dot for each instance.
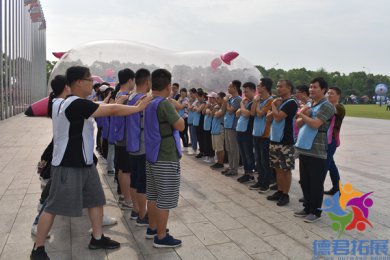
(3, 239)
(31, 200)
(125, 252)
(34, 188)
(233, 210)
(63, 255)
(207, 233)
(18, 251)
(243, 200)
(267, 214)
(6, 222)
(222, 221)
(15, 192)
(189, 215)
(274, 255)
(119, 232)
(177, 227)
(289, 247)
(163, 256)
(258, 226)
(80, 226)
(59, 240)
(248, 241)
(10, 205)
(192, 248)
(80, 250)
(228, 251)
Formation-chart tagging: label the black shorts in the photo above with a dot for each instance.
(122, 160)
(138, 172)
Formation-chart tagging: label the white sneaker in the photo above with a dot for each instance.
(126, 205)
(208, 159)
(34, 230)
(184, 149)
(43, 182)
(109, 221)
(39, 206)
(190, 151)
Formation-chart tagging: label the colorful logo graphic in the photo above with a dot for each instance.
(348, 209)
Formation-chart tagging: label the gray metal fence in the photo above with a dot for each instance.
(23, 55)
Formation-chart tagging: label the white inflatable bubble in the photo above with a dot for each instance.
(192, 69)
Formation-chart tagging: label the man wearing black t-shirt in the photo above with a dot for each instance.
(75, 180)
(281, 151)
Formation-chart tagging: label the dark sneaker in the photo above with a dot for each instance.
(144, 222)
(39, 254)
(199, 155)
(245, 178)
(273, 186)
(264, 189)
(167, 241)
(231, 173)
(301, 214)
(283, 200)
(275, 196)
(302, 199)
(225, 171)
(151, 233)
(331, 192)
(134, 215)
(103, 243)
(217, 166)
(255, 186)
(111, 173)
(311, 218)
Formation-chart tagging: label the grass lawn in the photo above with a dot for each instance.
(368, 111)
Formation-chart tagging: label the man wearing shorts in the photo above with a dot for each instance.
(163, 151)
(281, 150)
(75, 180)
(217, 131)
(136, 148)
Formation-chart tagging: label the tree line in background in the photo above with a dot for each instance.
(355, 83)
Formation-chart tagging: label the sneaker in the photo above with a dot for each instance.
(208, 159)
(302, 199)
(199, 155)
(184, 149)
(264, 189)
(134, 215)
(311, 218)
(34, 230)
(273, 186)
(283, 200)
(125, 205)
(121, 198)
(110, 173)
(167, 241)
(255, 186)
(39, 207)
(190, 152)
(301, 214)
(275, 196)
(43, 182)
(216, 166)
(151, 233)
(39, 254)
(142, 222)
(225, 171)
(331, 192)
(103, 243)
(109, 221)
(245, 178)
(231, 173)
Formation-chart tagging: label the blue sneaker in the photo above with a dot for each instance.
(151, 233)
(133, 215)
(167, 241)
(142, 222)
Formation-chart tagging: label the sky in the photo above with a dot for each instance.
(337, 35)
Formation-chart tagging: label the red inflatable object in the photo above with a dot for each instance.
(229, 56)
(38, 108)
(58, 55)
(215, 63)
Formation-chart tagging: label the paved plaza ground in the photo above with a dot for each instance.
(217, 217)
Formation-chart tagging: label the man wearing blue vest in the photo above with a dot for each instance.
(75, 180)
(217, 133)
(312, 149)
(135, 146)
(163, 151)
(244, 130)
(230, 123)
(281, 150)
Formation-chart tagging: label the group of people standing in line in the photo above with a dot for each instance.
(139, 136)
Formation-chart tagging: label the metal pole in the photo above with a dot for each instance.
(6, 75)
(1, 64)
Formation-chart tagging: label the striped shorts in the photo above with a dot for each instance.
(163, 183)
